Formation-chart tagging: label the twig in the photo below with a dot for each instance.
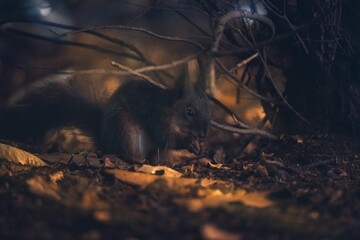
(275, 39)
(236, 14)
(219, 32)
(320, 163)
(246, 61)
(147, 78)
(123, 72)
(234, 80)
(242, 131)
(236, 118)
(169, 65)
(72, 43)
(128, 28)
(192, 22)
(75, 72)
(94, 33)
(280, 94)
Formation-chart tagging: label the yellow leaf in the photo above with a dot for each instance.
(215, 198)
(40, 186)
(209, 193)
(142, 180)
(163, 170)
(210, 231)
(17, 155)
(56, 177)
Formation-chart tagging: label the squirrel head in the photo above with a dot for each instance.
(191, 110)
(192, 115)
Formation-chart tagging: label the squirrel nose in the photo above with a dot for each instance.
(202, 134)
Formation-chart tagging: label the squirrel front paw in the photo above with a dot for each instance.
(199, 147)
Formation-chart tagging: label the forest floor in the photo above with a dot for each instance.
(295, 188)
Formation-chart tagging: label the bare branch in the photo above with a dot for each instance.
(236, 14)
(128, 28)
(169, 65)
(232, 129)
(147, 78)
(75, 72)
(72, 43)
(228, 111)
(234, 80)
(275, 39)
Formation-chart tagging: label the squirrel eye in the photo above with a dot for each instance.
(189, 112)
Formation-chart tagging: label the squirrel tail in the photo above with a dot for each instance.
(45, 106)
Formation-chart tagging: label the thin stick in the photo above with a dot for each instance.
(228, 111)
(169, 65)
(137, 29)
(232, 129)
(72, 43)
(320, 163)
(268, 42)
(140, 75)
(123, 72)
(246, 61)
(236, 14)
(75, 72)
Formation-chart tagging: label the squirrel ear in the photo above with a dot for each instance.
(192, 77)
(202, 73)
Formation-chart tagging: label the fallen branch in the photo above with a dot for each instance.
(320, 163)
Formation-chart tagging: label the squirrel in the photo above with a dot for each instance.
(137, 122)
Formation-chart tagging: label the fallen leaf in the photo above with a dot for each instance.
(216, 165)
(159, 170)
(39, 185)
(142, 179)
(207, 163)
(90, 200)
(212, 232)
(55, 177)
(208, 191)
(102, 216)
(108, 163)
(298, 139)
(17, 155)
(217, 198)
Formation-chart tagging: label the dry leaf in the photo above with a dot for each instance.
(17, 155)
(90, 200)
(108, 163)
(207, 197)
(207, 163)
(55, 177)
(40, 186)
(216, 165)
(102, 216)
(217, 198)
(164, 171)
(212, 232)
(142, 180)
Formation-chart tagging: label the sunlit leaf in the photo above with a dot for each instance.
(142, 179)
(159, 170)
(55, 177)
(210, 231)
(39, 185)
(209, 192)
(215, 198)
(17, 155)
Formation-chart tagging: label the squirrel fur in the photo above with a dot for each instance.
(139, 119)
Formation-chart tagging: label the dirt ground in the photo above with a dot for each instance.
(296, 188)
